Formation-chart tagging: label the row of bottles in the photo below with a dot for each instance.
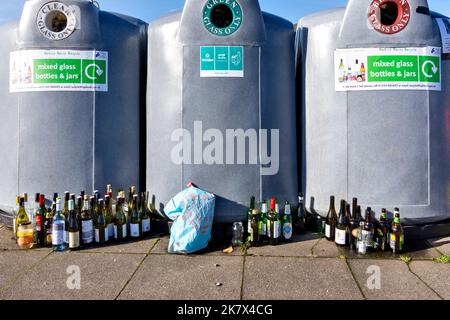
(349, 74)
(363, 234)
(82, 221)
(268, 225)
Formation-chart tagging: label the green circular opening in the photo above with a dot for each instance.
(221, 16)
(389, 13)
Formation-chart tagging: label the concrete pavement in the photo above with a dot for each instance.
(308, 268)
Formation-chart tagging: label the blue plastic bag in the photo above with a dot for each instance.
(192, 211)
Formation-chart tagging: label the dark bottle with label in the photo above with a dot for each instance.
(101, 229)
(274, 227)
(369, 231)
(383, 232)
(120, 220)
(254, 235)
(87, 224)
(40, 221)
(354, 227)
(331, 222)
(74, 229)
(300, 218)
(135, 222)
(348, 217)
(341, 227)
(263, 224)
(48, 224)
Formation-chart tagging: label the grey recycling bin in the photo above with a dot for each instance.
(221, 105)
(71, 92)
(375, 108)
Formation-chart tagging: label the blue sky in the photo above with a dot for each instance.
(149, 10)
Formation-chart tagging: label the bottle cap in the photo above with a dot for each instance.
(273, 203)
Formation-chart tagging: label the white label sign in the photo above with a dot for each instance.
(444, 27)
(58, 70)
(388, 69)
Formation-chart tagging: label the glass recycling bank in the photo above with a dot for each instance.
(352, 102)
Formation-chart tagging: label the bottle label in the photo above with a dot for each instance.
(262, 229)
(66, 237)
(249, 226)
(74, 240)
(146, 225)
(97, 234)
(276, 229)
(134, 230)
(87, 231)
(341, 237)
(367, 239)
(58, 233)
(124, 232)
(287, 230)
(327, 231)
(38, 223)
(394, 240)
(111, 230)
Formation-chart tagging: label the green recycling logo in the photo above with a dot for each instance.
(222, 17)
(430, 69)
(94, 71)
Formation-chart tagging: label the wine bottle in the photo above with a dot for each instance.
(287, 223)
(250, 215)
(263, 223)
(300, 219)
(384, 233)
(58, 228)
(101, 230)
(48, 224)
(93, 208)
(74, 229)
(144, 214)
(65, 213)
(341, 227)
(135, 221)
(87, 224)
(354, 226)
(109, 217)
(368, 232)
(331, 222)
(120, 221)
(34, 218)
(40, 222)
(254, 235)
(22, 216)
(273, 227)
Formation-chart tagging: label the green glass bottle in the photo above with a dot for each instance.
(263, 224)
(250, 215)
(341, 227)
(120, 221)
(135, 221)
(144, 213)
(101, 230)
(274, 224)
(254, 235)
(109, 217)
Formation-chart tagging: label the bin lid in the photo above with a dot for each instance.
(59, 23)
(222, 22)
(396, 22)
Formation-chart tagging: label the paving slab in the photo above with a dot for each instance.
(102, 277)
(441, 244)
(298, 279)
(301, 246)
(325, 248)
(396, 282)
(436, 275)
(13, 264)
(142, 246)
(186, 278)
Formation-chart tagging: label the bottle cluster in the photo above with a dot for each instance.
(364, 234)
(268, 225)
(82, 221)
